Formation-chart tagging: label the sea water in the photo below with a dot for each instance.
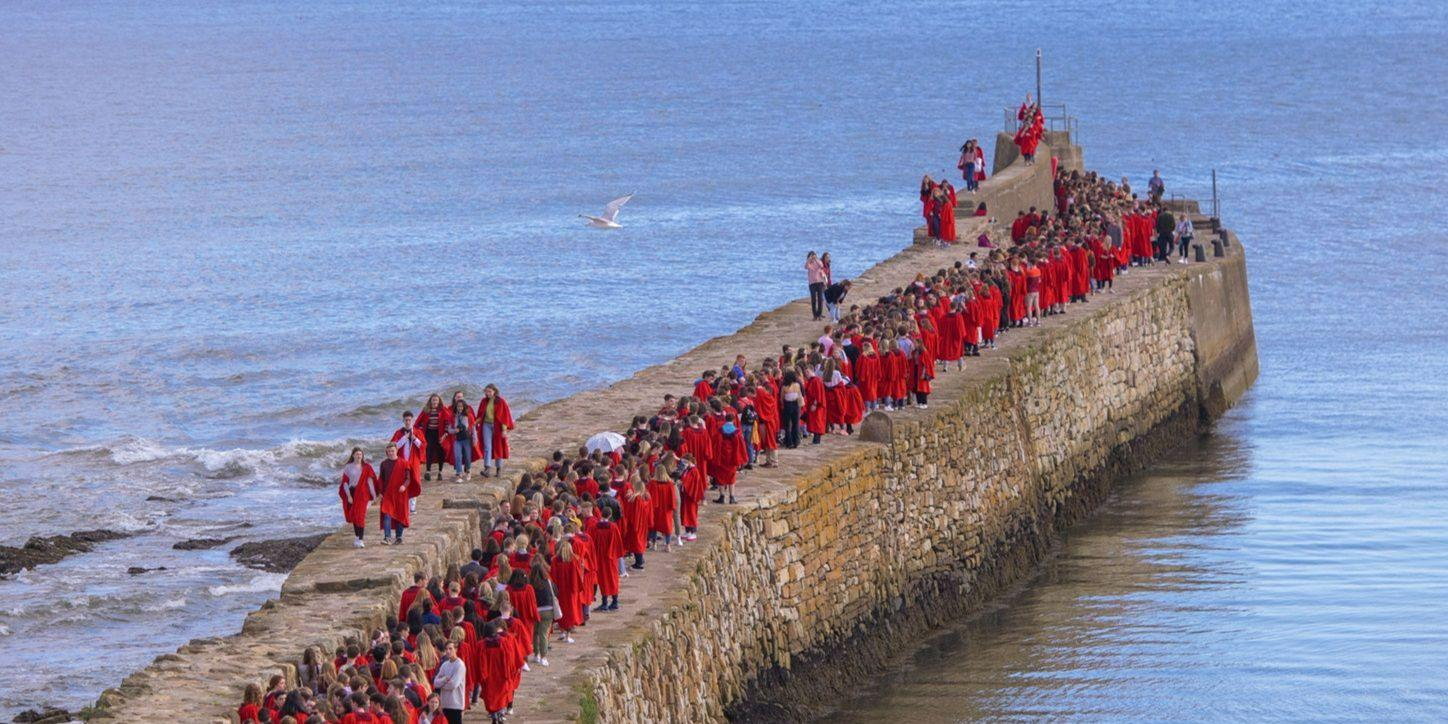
(236, 240)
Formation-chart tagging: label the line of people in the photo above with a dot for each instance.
(558, 552)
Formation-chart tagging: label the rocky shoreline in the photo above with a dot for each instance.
(276, 556)
(43, 550)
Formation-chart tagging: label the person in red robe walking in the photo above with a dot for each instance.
(664, 499)
(728, 458)
(766, 404)
(357, 489)
(816, 405)
(525, 606)
(693, 485)
(499, 663)
(946, 205)
(431, 425)
(411, 449)
(607, 549)
(637, 517)
(572, 595)
(399, 478)
(460, 440)
(495, 420)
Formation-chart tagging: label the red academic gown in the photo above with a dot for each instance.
(587, 559)
(1081, 271)
(947, 216)
(730, 456)
(694, 487)
(816, 406)
(502, 422)
(637, 517)
(607, 549)
(412, 448)
(1017, 280)
(703, 390)
(766, 405)
(356, 511)
(447, 436)
(990, 311)
(420, 427)
(698, 442)
(663, 498)
(499, 664)
(396, 490)
(867, 376)
(525, 609)
(572, 595)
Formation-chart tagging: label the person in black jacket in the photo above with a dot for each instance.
(1165, 229)
(835, 296)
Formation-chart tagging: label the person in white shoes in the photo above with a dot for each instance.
(357, 489)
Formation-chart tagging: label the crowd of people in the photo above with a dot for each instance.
(558, 552)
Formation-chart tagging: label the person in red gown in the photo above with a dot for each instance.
(729, 457)
(432, 423)
(693, 485)
(664, 499)
(357, 489)
(637, 516)
(816, 405)
(399, 479)
(411, 449)
(525, 607)
(946, 201)
(460, 440)
(495, 420)
(928, 207)
(572, 596)
(766, 404)
(607, 549)
(500, 663)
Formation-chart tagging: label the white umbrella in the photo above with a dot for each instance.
(606, 442)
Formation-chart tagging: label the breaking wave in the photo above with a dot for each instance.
(218, 464)
(263, 582)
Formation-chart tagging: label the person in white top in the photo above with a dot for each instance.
(451, 684)
(1184, 236)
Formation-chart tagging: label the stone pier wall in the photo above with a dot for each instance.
(808, 589)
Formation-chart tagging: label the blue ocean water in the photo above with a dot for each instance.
(233, 240)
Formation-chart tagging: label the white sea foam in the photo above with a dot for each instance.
(234, 462)
(263, 582)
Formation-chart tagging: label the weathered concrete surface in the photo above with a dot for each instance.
(1055, 143)
(682, 671)
(1012, 188)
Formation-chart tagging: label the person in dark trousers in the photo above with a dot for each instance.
(816, 271)
(835, 296)
(1165, 230)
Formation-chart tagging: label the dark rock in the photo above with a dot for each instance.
(159, 499)
(201, 544)
(138, 570)
(276, 556)
(50, 715)
(40, 550)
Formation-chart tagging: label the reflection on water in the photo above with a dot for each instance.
(1206, 588)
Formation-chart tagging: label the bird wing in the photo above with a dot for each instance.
(610, 211)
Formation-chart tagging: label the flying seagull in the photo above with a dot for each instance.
(609, 220)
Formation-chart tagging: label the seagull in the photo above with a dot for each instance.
(609, 220)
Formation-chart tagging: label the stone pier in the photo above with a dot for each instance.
(844, 547)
